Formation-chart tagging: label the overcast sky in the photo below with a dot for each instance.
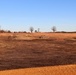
(19, 15)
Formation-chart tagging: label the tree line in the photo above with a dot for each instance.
(31, 29)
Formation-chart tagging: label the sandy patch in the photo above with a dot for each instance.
(56, 70)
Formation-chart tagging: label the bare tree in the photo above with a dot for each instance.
(31, 29)
(53, 29)
(38, 29)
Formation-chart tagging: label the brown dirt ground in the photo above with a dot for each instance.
(25, 50)
(55, 70)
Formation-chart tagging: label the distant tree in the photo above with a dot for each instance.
(9, 31)
(24, 32)
(31, 29)
(2, 31)
(36, 31)
(53, 29)
(0, 28)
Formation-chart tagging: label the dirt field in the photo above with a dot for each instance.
(25, 50)
(51, 70)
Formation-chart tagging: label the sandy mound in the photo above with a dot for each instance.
(54, 70)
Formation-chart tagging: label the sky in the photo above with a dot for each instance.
(20, 15)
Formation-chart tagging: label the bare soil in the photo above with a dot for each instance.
(41, 49)
(51, 70)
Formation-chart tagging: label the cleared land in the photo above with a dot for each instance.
(56, 70)
(25, 50)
